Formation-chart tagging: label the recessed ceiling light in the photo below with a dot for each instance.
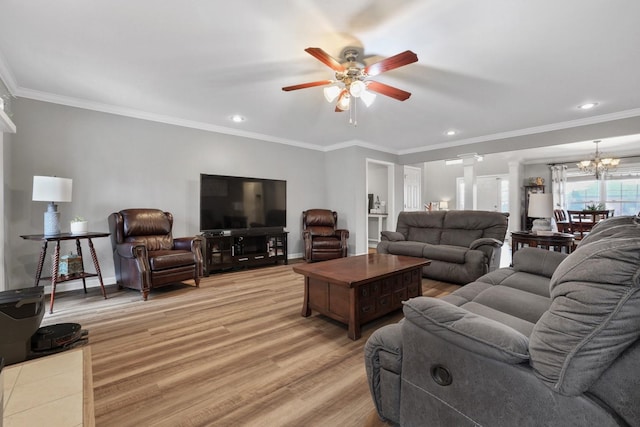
(237, 118)
(451, 132)
(587, 106)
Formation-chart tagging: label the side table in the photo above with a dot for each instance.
(55, 278)
(555, 241)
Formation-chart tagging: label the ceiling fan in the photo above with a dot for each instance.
(353, 77)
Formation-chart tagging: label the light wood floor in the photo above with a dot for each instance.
(235, 352)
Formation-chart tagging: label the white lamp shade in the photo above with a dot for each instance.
(540, 205)
(444, 205)
(51, 189)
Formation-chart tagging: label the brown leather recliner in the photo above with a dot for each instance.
(146, 255)
(322, 240)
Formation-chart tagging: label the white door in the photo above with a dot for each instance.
(412, 188)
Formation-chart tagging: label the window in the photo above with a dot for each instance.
(622, 195)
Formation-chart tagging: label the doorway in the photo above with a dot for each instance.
(491, 193)
(380, 198)
(412, 188)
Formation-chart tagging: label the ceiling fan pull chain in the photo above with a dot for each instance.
(353, 114)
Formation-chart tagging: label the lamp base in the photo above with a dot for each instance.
(51, 220)
(541, 224)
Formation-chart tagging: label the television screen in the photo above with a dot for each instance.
(231, 202)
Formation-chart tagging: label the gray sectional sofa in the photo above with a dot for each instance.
(462, 245)
(552, 341)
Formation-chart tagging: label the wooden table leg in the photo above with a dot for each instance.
(306, 311)
(354, 316)
(54, 274)
(94, 257)
(43, 253)
(514, 246)
(79, 250)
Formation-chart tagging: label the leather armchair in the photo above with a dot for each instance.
(322, 239)
(145, 254)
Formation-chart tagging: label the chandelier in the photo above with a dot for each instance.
(599, 164)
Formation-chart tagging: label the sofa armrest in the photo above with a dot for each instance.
(383, 364)
(191, 244)
(342, 234)
(194, 245)
(131, 250)
(468, 330)
(392, 236)
(485, 241)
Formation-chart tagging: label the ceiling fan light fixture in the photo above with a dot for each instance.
(368, 98)
(331, 93)
(344, 101)
(357, 88)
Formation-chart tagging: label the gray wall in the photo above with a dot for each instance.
(118, 162)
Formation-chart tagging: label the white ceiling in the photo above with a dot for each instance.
(487, 69)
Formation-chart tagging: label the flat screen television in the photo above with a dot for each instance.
(230, 203)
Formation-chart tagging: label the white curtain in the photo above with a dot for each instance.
(559, 185)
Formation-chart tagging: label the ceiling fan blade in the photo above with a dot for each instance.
(396, 61)
(325, 58)
(306, 85)
(387, 90)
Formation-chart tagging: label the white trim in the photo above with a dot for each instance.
(6, 124)
(6, 76)
(144, 115)
(528, 131)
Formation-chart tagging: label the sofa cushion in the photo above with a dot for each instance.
(322, 242)
(424, 235)
(153, 243)
(453, 254)
(460, 237)
(320, 230)
(160, 260)
(515, 302)
(491, 224)
(596, 304)
(404, 248)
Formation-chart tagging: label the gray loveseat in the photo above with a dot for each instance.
(462, 245)
(552, 341)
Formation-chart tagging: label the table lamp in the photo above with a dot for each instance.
(51, 189)
(540, 207)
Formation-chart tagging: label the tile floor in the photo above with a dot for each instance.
(47, 391)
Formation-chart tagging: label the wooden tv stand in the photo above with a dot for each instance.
(243, 249)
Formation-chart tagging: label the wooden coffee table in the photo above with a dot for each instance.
(355, 290)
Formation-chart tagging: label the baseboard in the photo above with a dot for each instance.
(72, 285)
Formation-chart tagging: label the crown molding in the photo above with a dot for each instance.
(530, 131)
(6, 76)
(144, 115)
